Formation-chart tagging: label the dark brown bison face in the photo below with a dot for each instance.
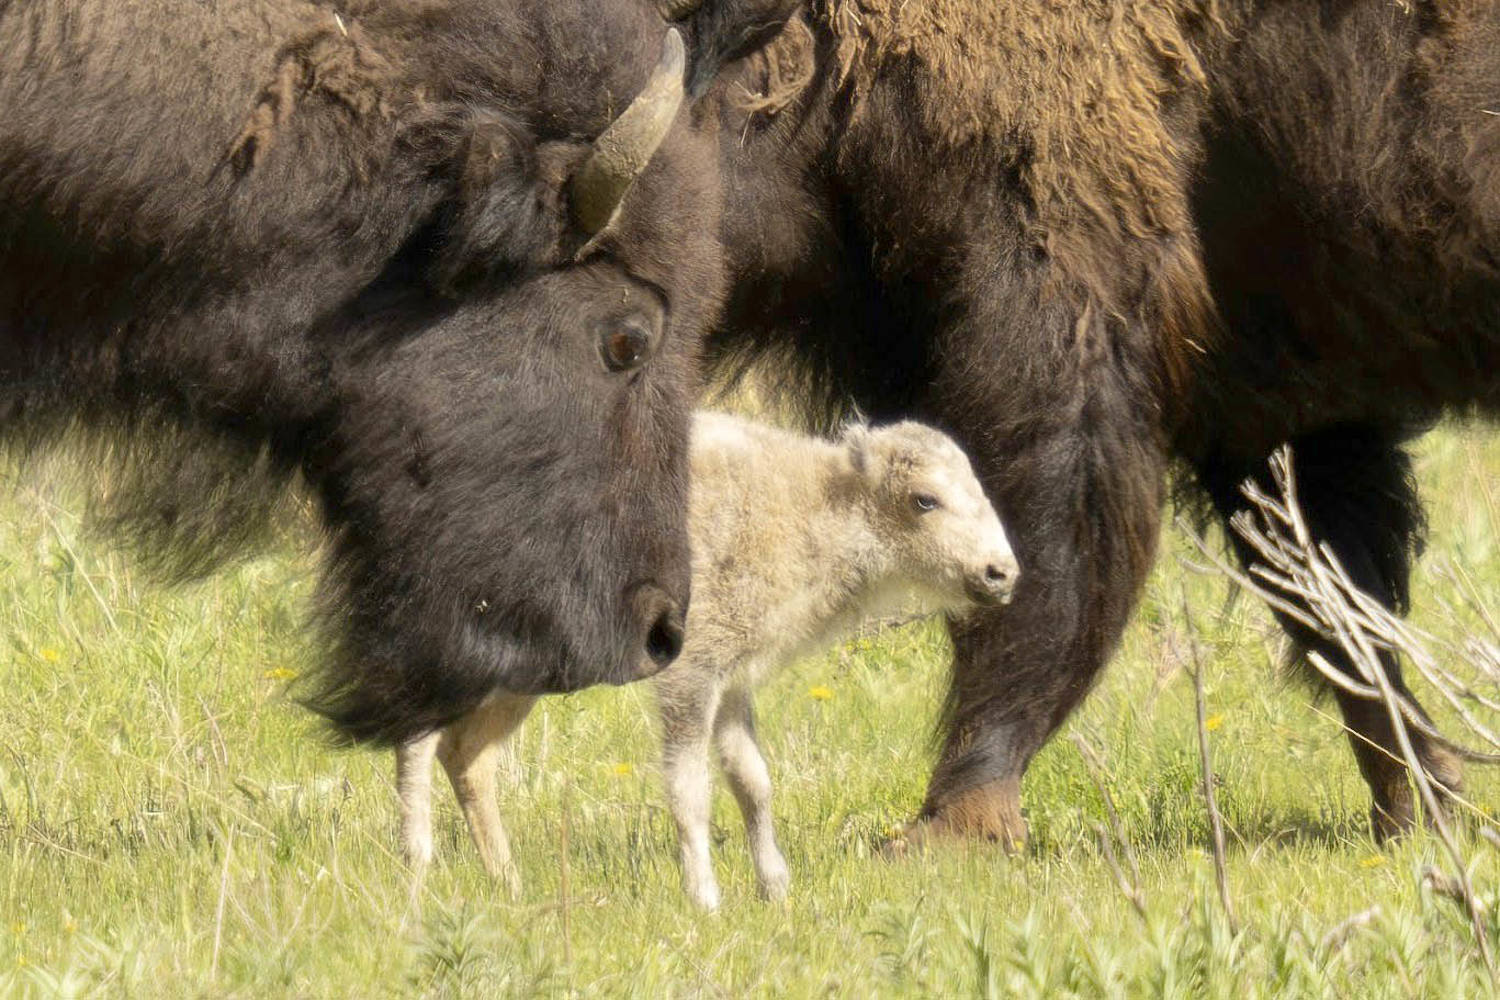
(506, 466)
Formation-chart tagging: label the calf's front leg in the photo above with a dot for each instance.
(470, 751)
(688, 702)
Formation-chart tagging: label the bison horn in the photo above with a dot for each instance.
(624, 149)
(676, 10)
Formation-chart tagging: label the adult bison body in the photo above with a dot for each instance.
(1098, 240)
(442, 260)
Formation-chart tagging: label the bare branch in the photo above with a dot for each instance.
(1216, 825)
(1130, 886)
(1304, 580)
(1335, 939)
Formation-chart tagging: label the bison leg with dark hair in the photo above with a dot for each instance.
(1076, 466)
(1357, 494)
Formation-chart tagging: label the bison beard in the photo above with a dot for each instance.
(1121, 236)
(383, 248)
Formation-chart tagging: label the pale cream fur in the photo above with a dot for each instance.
(796, 541)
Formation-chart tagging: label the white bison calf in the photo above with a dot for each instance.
(795, 540)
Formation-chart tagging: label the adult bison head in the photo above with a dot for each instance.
(504, 453)
(448, 261)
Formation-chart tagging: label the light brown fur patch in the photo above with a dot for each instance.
(1082, 84)
(1075, 94)
(989, 811)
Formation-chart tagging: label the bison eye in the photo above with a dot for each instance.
(625, 344)
(924, 502)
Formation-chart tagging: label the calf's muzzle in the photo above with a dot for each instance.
(995, 583)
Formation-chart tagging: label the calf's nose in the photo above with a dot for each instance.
(1000, 577)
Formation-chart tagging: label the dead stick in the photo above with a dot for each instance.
(1357, 646)
(1129, 886)
(1335, 939)
(563, 901)
(1216, 825)
(213, 964)
(1329, 590)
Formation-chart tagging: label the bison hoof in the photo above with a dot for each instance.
(989, 813)
(1394, 812)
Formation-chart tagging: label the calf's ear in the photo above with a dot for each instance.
(856, 440)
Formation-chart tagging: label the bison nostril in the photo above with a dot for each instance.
(664, 641)
(660, 618)
(997, 574)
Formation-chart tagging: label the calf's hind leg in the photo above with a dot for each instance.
(689, 701)
(414, 787)
(470, 750)
(750, 780)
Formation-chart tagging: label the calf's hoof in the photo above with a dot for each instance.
(510, 877)
(704, 892)
(986, 813)
(774, 884)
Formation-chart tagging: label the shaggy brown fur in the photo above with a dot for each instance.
(1084, 83)
(333, 59)
(1088, 238)
(1077, 99)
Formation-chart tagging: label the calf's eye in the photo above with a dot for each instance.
(924, 502)
(625, 344)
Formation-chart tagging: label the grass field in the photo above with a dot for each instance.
(172, 824)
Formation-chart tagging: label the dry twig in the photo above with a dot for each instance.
(1129, 885)
(1339, 936)
(1216, 824)
(1304, 580)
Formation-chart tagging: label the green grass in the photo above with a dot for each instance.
(171, 823)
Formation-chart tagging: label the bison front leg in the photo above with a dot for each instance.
(1355, 488)
(1076, 465)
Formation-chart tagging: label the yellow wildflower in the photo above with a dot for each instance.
(280, 674)
(18, 928)
(1213, 722)
(1373, 861)
(820, 693)
(623, 769)
(49, 654)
